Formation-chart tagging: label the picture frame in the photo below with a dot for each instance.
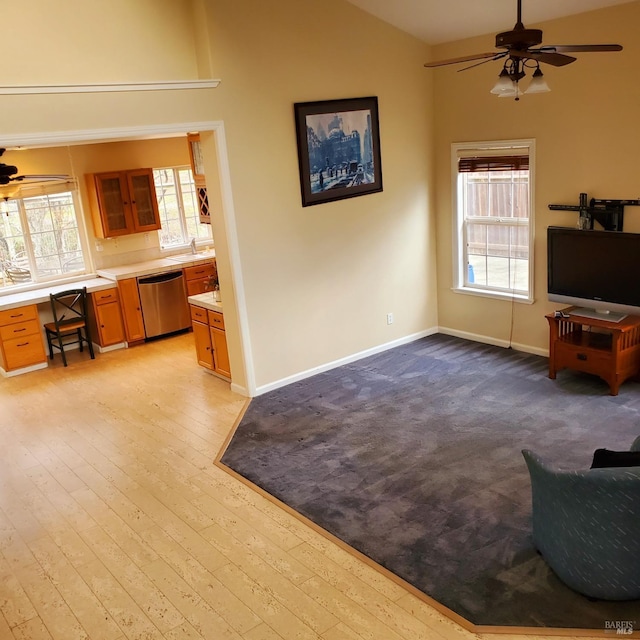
(338, 149)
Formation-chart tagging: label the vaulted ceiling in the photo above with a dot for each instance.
(438, 21)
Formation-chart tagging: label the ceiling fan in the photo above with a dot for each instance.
(8, 174)
(521, 48)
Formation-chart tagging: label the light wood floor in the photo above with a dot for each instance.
(115, 524)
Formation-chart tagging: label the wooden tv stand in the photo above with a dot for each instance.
(610, 350)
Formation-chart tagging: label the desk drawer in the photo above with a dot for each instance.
(106, 296)
(18, 315)
(19, 330)
(23, 352)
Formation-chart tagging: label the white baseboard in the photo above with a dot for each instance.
(526, 348)
(243, 391)
(112, 347)
(384, 347)
(18, 372)
(342, 361)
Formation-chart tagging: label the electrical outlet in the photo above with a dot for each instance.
(389, 318)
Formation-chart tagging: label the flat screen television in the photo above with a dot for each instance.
(599, 271)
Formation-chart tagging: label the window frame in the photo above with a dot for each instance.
(28, 191)
(461, 282)
(185, 244)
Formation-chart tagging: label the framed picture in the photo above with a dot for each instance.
(338, 149)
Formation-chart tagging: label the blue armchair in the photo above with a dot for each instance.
(586, 525)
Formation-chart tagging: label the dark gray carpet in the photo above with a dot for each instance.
(413, 458)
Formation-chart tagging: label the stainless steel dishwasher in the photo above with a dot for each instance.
(163, 298)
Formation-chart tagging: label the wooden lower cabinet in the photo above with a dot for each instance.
(21, 343)
(210, 340)
(204, 350)
(131, 309)
(220, 352)
(198, 276)
(105, 318)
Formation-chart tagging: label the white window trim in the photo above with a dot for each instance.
(200, 243)
(34, 190)
(498, 147)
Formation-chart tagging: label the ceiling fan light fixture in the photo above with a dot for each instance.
(505, 85)
(538, 83)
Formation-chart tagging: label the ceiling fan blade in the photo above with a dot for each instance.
(477, 56)
(42, 177)
(555, 59)
(477, 64)
(578, 48)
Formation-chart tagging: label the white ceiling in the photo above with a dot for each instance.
(438, 21)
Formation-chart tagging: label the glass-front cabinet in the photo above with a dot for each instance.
(123, 202)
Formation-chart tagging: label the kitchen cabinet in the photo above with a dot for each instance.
(198, 277)
(195, 155)
(131, 309)
(21, 342)
(211, 341)
(202, 337)
(105, 318)
(197, 169)
(219, 344)
(123, 202)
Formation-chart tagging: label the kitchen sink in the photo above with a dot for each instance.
(190, 257)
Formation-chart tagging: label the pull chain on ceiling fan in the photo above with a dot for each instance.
(522, 49)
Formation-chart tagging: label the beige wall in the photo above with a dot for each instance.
(80, 41)
(587, 137)
(318, 281)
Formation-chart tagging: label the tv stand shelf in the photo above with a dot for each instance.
(610, 350)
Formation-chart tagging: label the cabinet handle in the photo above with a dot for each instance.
(17, 315)
(19, 330)
(582, 356)
(23, 344)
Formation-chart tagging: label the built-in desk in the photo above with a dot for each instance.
(41, 294)
(22, 316)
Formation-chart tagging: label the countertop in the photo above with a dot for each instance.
(206, 301)
(41, 294)
(160, 265)
(107, 279)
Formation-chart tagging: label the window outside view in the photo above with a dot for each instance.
(39, 239)
(178, 206)
(496, 212)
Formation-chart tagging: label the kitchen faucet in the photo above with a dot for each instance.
(193, 246)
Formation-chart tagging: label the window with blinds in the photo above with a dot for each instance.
(494, 230)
